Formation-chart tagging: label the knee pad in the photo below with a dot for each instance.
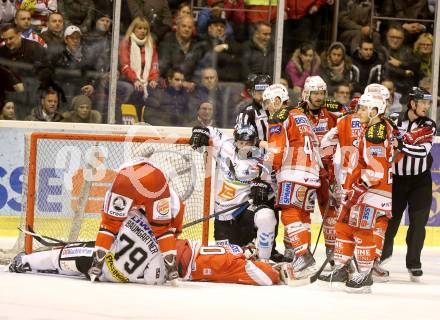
(264, 219)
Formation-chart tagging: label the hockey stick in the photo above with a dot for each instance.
(322, 227)
(41, 239)
(216, 214)
(312, 278)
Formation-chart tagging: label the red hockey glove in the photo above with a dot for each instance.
(323, 191)
(418, 135)
(352, 196)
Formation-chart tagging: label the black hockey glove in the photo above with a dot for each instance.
(199, 137)
(259, 192)
(170, 267)
(97, 264)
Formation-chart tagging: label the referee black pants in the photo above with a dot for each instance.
(416, 193)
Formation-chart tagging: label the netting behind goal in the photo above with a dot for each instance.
(66, 177)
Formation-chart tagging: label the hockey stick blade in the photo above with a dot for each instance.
(308, 280)
(41, 239)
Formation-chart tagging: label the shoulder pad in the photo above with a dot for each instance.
(279, 116)
(333, 106)
(377, 133)
(428, 123)
(301, 106)
(390, 122)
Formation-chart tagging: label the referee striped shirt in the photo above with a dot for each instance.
(416, 158)
(256, 116)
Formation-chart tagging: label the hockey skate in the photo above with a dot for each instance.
(331, 261)
(336, 277)
(415, 274)
(304, 265)
(17, 265)
(379, 273)
(276, 257)
(289, 255)
(360, 282)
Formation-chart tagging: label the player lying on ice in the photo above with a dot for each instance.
(135, 256)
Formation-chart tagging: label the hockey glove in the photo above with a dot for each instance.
(418, 136)
(199, 137)
(97, 264)
(323, 191)
(259, 192)
(352, 196)
(171, 273)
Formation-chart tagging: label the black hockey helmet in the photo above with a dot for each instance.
(245, 132)
(417, 93)
(258, 82)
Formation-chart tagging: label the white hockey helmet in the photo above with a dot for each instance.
(371, 101)
(378, 88)
(276, 90)
(313, 83)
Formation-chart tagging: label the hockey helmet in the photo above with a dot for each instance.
(258, 82)
(245, 132)
(378, 88)
(313, 83)
(417, 93)
(371, 101)
(276, 90)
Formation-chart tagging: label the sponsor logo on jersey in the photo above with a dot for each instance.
(235, 249)
(76, 252)
(299, 195)
(286, 193)
(119, 205)
(367, 218)
(321, 127)
(355, 124)
(161, 209)
(275, 130)
(377, 151)
(207, 271)
(300, 120)
(227, 192)
(110, 263)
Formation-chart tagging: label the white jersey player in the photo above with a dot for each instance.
(240, 178)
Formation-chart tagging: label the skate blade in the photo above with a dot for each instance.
(379, 279)
(415, 279)
(332, 285)
(366, 289)
(306, 273)
(298, 282)
(174, 283)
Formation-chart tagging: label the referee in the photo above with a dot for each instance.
(412, 184)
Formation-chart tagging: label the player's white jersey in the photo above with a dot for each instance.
(233, 175)
(134, 255)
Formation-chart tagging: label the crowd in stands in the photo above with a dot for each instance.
(181, 67)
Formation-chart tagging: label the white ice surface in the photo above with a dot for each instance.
(41, 297)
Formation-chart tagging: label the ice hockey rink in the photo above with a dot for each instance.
(28, 296)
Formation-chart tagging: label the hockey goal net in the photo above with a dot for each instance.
(66, 175)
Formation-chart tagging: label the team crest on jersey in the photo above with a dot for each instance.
(207, 271)
(286, 193)
(161, 209)
(275, 130)
(299, 195)
(119, 205)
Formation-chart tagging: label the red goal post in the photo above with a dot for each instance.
(66, 176)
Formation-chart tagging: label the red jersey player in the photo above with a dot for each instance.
(295, 160)
(140, 185)
(368, 196)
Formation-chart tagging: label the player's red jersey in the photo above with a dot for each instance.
(221, 264)
(141, 185)
(295, 157)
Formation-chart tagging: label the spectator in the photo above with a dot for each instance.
(300, 25)
(79, 13)
(23, 22)
(138, 60)
(368, 62)
(82, 111)
(98, 41)
(217, 51)
(175, 47)
(261, 10)
(393, 103)
(258, 52)
(7, 11)
(342, 94)
(9, 81)
(336, 67)
(303, 63)
(235, 15)
(204, 115)
(39, 10)
(168, 106)
(47, 110)
(400, 65)
(157, 12)
(216, 12)
(354, 25)
(423, 51)
(34, 68)
(76, 66)
(54, 36)
(7, 111)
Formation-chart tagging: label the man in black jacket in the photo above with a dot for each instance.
(369, 63)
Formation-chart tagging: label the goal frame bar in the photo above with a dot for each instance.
(32, 173)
